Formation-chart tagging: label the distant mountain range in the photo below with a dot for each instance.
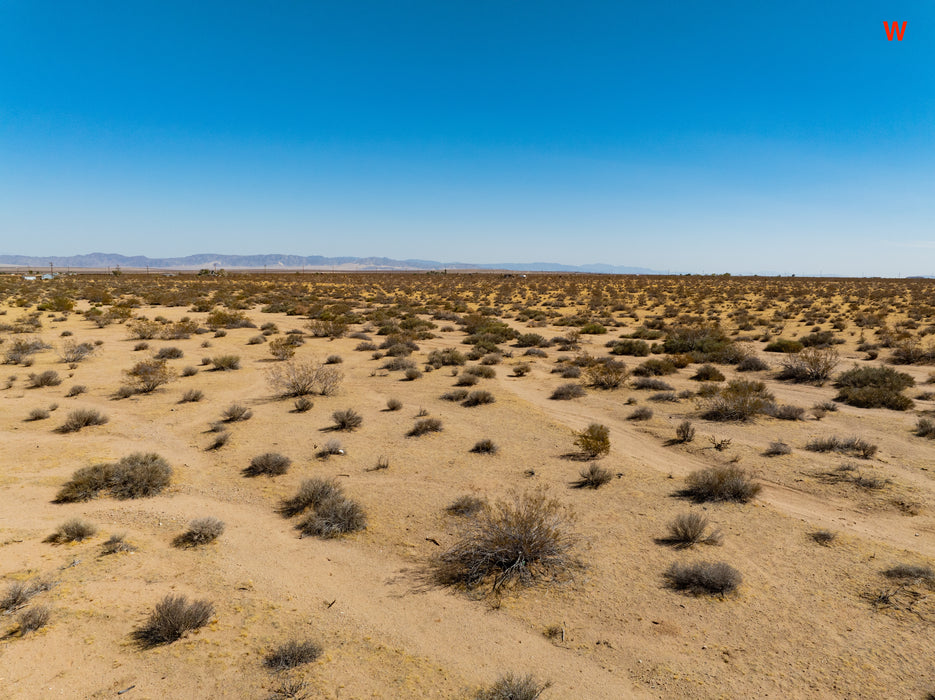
(293, 262)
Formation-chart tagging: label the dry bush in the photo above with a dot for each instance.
(117, 543)
(485, 447)
(282, 348)
(874, 387)
(910, 572)
(393, 404)
(640, 414)
(148, 375)
(813, 365)
(628, 346)
(74, 530)
(594, 441)
(521, 369)
(33, 619)
(303, 404)
(690, 529)
(192, 396)
(426, 425)
(593, 477)
(347, 419)
(81, 418)
(685, 432)
(269, 463)
(708, 373)
(785, 412)
(740, 400)
(311, 494)
(200, 531)
(332, 447)
(292, 654)
(456, 395)
(665, 397)
(703, 578)
(467, 380)
(607, 374)
(38, 414)
(823, 537)
(236, 413)
(925, 427)
(478, 398)
(777, 448)
(412, 374)
(333, 517)
(173, 617)
(75, 352)
(304, 377)
(48, 378)
(510, 687)
(19, 593)
(169, 353)
(513, 542)
(853, 446)
(139, 475)
(720, 483)
(466, 506)
(225, 363)
(752, 363)
(568, 391)
(76, 390)
(221, 438)
(653, 384)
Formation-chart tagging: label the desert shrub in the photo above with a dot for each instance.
(393, 404)
(853, 446)
(34, 618)
(302, 404)
(397, 364)
(365, 347)
(485, 447)
(225, 363)
(593, 477)
(482, 371)
(347, 419)
(607, 374)
(76, 390)
(192, 396)
(512, 542)
(685, 432)
(720, 483)
(570, 372)
(257, 340)
(304, 377)
(456, 395)
(784, 345)
(81, 418)
(521, 369)
(311, 494)
(139, 475)
(426, 425)
(925, 427)
(466, 506)
(333, 517)
(200, 531)
(740, 400)
(751, 363)
(629, 346)
(467, 380)
(652, 384)
(818, 339)
(48, 378)
(785, 412)
(700, 578)
(334, 360)
(594, 440)
(777, 448)
(327, 328)
(221, 438)
(18, 593)
(874, 397)
(282, 348)
(412, 374)
(148, 375)
(141, 346)
(910, 572)
(292, 654)
(531, 340)
(535, 352)
(655, 368)
(447, 357)
(478, 398)
(640, 414)
(116, 543)
(708, 373)
(269, 463)
(823, 537)
(38, 414)
(226, 318)
(690, 529)
(665, 396)
(169, 353)
(74, 530)
(510, 687)
(172, 618)
(143, 329)
(72, 352)
(811, 365)
(879, 377)
(568, 391)
(235, 413)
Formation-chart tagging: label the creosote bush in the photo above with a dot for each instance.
(640, 414)
(291, 654)
(593, 477)
(874, 387)
(478, 398)
(690, 529)
(347, 419)
(812, 364)
(48, 378)
(200, 531)
(236, 413)
(721, 483)
(740, 400)
(192, 396)
(568, 391)
(513, 542)
(685, 432)
(303, 377)
(148, 375)
(172, 618)
(703, 578)
(594, 441)
(484, 447)
(225, 363)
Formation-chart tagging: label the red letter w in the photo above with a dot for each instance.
(895, 29)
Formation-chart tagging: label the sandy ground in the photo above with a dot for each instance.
(801, 625)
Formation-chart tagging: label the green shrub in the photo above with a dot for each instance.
(784, 345)
(594, 441)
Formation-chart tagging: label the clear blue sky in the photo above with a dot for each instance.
(722, 136)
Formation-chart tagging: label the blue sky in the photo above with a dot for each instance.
(716, 137)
